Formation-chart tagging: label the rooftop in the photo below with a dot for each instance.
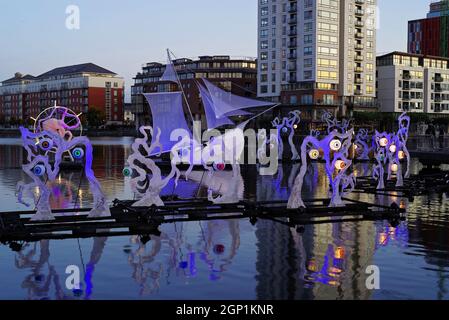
(406, 54)
(75, 69)
(19, 77)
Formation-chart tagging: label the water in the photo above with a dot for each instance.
(227, 259)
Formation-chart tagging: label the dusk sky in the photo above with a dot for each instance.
(122, 35)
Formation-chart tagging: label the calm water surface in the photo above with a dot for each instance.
(227, 259)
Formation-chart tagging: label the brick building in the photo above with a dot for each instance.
(78, 87)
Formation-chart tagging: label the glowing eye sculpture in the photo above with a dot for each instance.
(401, 155)
(284, 130)
(383, 142)
(393, 148)
(335, 145)
(394, 167)
(340, 253)
(46, 144)
(340, 165)
(39, 170)
(127, 172)
(314, 154)
(219, 166)
(78, 153)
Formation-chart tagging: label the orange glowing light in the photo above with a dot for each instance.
(340, 253)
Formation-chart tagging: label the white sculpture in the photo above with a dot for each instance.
(363, 148)
(149, 186)
(284, 126)
(334, 149)
(37, 145)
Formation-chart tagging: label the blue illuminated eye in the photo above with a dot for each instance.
(78, 153)
(127, 172)
(284, 130)
(39, 170)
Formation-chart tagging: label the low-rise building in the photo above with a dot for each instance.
(413, 82)
(78, 87)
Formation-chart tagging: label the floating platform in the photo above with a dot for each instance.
(125, 220)
(416, 185)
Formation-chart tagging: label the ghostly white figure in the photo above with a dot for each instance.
(287, 126)
(334, 149)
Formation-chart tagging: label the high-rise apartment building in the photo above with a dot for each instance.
(317, 53)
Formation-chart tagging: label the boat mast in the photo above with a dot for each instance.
(180, 86)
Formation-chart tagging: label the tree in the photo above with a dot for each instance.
(95, 118)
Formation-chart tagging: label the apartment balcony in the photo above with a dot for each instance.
(406, 98)
(406, 87)
(293, 9)
(359, 12)
(358, 58)
(293, 20)
(359, 24)
(359, 46)
(358, 92)
(406, 76)
(438, 78)
(292, 56)
(292, 79)
(292, 67)
(358, 80)
(292, 44)
(438, 89)
(292, 33)
(358, 69)
(438, 99)
(360, 2)
(359, 35)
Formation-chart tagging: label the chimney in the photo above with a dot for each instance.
(18, 75)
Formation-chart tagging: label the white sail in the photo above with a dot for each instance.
(168, 115)
(213, 121)
(228, 104)
(170, 73)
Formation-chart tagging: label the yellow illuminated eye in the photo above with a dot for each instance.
(383, 142)
(314, 154)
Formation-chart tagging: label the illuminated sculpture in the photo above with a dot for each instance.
(234, 187)
(362, 141)
(403, 134)
(334, 150)
(382, 142)
(227, 148)
(334, 124)
(391, 150)
(38, 166)
(148, 186)
(58, 140)
(284, 127)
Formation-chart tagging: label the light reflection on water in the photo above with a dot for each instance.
(228, 259)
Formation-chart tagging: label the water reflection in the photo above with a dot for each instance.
(229, 259)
